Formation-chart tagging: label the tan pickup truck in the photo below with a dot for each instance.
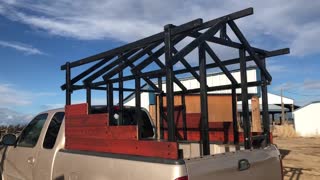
(39, 153)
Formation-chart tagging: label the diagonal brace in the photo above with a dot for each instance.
(196, 42)
(188, 66)
(219, 63)
(249, 49)
(162, 66)
(87, 72)
(107, 67)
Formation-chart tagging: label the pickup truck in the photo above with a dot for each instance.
(39, 153)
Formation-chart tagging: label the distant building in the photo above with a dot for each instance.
(218, 79)
(307, 120)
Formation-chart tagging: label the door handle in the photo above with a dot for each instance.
(31, 160)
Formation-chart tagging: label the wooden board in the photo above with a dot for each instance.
(168, 150)
(91, 132)
(152, 112)
(219, 106)
(107, 132)
(91, 120)
(76, 109)
(256, 117)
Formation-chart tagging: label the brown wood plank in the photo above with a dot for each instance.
(167, 150)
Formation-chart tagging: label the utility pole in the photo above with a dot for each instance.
(282, 108)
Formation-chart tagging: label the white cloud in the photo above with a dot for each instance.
(11, 96)
(94, 101)
(11, 117)
(284, 23)
(20, 47)
(306, 85)
(52, 106)
(312, 85)
(274, 67)
(303, 92)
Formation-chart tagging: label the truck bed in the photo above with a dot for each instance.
(91, 165)
(72, 164)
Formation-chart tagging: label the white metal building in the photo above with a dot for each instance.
(307, 120)
(217, 79)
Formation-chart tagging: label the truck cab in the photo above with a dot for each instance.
(33, 152)
(31, 155)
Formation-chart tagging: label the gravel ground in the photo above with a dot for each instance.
(301, 157)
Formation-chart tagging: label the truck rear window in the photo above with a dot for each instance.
(129, 118)
(53, 130)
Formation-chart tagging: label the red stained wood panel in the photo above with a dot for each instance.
(107, 132)
(76, 109)
(168, 150)
(91, 120)
(93, 133)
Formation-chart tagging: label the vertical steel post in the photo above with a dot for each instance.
(184, 116)
(204, 101)
(234, 117)
(88, 92)
(245, 104)
(265, 108)
(120, 122)
(138, 106)
(160, 107)
(157, 118)
(169, 82)
(68, 84)
(110, 102)
(272, 118)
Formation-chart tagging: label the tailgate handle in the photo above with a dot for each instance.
(243, 164)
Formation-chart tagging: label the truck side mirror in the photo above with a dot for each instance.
(9, 140)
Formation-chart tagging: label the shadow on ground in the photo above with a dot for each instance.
(284, 152)
(293, 173)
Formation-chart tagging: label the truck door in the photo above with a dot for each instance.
(51, 145)
(20, 160)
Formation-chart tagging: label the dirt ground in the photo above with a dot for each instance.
(301, 157)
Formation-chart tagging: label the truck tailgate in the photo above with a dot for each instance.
(264, 165)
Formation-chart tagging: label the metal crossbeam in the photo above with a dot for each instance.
(196, 42)
(108, 66)
(213, 65)
(195, 24)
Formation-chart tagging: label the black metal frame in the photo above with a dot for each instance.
(138, 55)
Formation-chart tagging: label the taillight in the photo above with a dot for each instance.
(182, 178)
(271, 137)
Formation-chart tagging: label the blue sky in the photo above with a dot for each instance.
(39, 36)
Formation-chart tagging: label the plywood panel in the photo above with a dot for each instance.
(256, 118)
(152, 112)
(219, 106)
